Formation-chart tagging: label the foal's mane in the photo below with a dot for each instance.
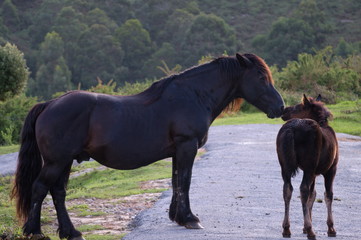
(320, 111)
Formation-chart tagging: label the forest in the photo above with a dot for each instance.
(122, 46)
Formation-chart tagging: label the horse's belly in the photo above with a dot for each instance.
(129, 157)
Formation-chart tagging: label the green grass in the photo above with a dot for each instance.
(246, 118)
(105, 184)
(346, 118)
(8, 149)
(112, 183)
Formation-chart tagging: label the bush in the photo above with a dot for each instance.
(13, 71)
(335, 78)
(12, 115)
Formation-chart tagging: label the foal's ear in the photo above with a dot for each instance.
(244, 61)
(319, 98)
(305, 100)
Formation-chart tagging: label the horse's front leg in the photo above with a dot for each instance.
(173, 205)
(186, 151)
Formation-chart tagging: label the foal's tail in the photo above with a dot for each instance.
(286, 152)
(29, 163)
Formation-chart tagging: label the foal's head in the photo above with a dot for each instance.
(309, 108)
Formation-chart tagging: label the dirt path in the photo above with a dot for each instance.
(237, 192)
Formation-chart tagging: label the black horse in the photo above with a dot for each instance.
(169, 119)
(307, 142)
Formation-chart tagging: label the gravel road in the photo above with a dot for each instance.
(237, 192)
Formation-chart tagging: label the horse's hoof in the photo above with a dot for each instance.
(331, 234)
(193, 225)
(38, 236)
(77, 238)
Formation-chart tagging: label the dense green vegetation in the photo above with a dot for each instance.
(71, 43)
(121, 47)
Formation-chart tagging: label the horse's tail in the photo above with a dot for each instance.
(286, 152)
(29, 163)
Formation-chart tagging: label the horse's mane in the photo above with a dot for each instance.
(261, 65)
(228, 68)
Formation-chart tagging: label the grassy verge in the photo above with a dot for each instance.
(8, 149)
(346, 118)
(101, 183)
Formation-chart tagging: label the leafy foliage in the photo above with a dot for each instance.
(13, 112)
(333, 77)
(13, 71)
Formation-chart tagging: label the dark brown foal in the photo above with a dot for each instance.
(307, 142)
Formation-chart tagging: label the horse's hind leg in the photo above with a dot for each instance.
(287, 194)
(58, 193)
(39, 192)
(329, 177)
(306, 197)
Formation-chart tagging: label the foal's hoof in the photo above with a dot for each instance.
(311, 237)
(286, 235)
(77, 238)
(331, 234)
(193, 225)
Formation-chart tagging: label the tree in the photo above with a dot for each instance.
(10, 15)
(53, 74)
(136, 43)
(304, 31)
(99, 55)
(287, 38)
(13, 71)
(208, 35)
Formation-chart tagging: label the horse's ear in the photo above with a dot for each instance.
(319, 98)
(305, 100)
(244, 61)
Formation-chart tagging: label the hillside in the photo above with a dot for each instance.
(67, 43)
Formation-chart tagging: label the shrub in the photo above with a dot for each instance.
(12, 115)
(13, 71)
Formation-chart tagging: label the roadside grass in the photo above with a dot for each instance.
(105, 184)
(346, 118)
(8, 149)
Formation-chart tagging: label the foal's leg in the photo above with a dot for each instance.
(306, 197)
(58, 193)
(329, 177)
(311, 200)
(185, 154)
(173, 205)
(287, 194)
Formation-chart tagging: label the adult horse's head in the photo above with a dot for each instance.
(257, 87)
